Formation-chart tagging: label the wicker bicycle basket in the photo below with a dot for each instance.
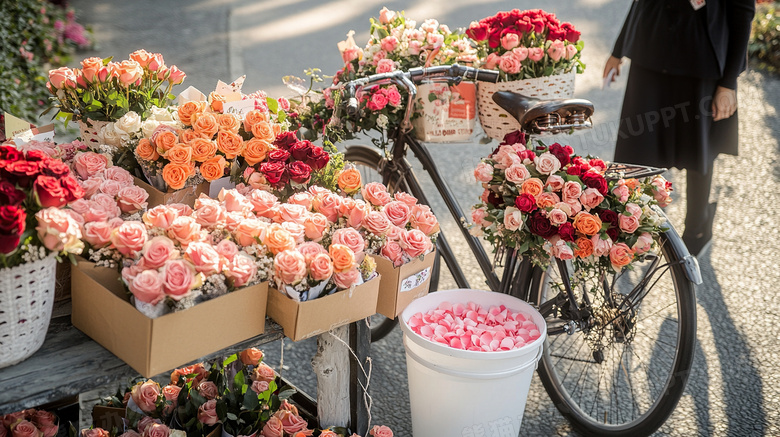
(89, 131)
(496, 122)
(26, 300)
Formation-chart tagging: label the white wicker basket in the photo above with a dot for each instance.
(26, 299)
(496, 122)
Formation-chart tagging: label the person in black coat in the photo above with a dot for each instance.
(680, 105)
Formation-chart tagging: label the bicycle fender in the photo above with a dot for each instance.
(689, 262)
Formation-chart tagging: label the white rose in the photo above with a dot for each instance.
(160, 114)
(411, 24)
(381, 121)
(148, 127)
(112, 137)
(129, 124)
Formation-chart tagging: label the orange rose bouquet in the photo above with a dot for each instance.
(545, 201)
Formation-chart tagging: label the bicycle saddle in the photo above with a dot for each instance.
(545, 116)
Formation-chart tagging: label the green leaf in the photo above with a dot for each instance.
(286, 393)
(273, 105)
(232, 416)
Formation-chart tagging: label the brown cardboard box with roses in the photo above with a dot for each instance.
(302, 320)
(102, 310)
(392, 301)
(186, 195)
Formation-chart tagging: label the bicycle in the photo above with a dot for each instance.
(643, 324)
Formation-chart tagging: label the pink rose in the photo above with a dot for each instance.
(328, 205)
(398, 213)
(557, 50)
(506, 157)
(547, 163)
(97, 234)
(423, 219)
(157, 430)
(129, 433)
(376, 222)
(571, 190)
(510, 41)
(478, 216)
(415, 47)
(520, 53)
(571, 50)
(96, 214)
(161, 216)
(634, 209)
(146, 286)
(178, 278)
(25, 429)
(171, 394)
(358, 213)
(227, 249)
(535, 54)
(129, 238)
(351, 238)
(628, 223)
(621, 192)
(185, 230)
(376, 194)
(110, 188)
(310, 249)
(120, 175)
(601, 246)
(208, 389)
(290, 267)
(81, 206)
(385, 65)
(381, 431)
(94, 432)
(263, 372)
(288, 212)
(233, 219)
(347, 278)
(145, 395)
(620, 255)
(555, 182)
(157, 251)
(315, 225)
(241, 270)
(517, 173)
(298, 232)
(557, 216)
(415, 242)
(484, 172)
(46, 422)
(509, 64)
(263, 203)
(643, 244)
(394, 252)
(210, 214)
(394, 233)
(291, 423)
(302, 198)
(273, 428)
(259, 386)
(574, 205)
(393, 96)
(591, 198)
(547, 199)
(385, 17)
(181, 209)
(321, 267)
(492, 61)
(405, 198)
(88, 164)
(207, 413)
(346, 206)
(146, 422)
(106, 203)
(249, 231)
(235, 201)
(204, 257)
(132, 199)
(513, 219)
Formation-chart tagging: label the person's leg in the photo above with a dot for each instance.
(700, 214)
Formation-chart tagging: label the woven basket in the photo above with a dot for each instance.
(26, 300)
(90, 131)
(496, 122)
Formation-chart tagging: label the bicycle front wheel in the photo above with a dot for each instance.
(622, 375)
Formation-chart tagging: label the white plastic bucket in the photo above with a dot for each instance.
(457, 393)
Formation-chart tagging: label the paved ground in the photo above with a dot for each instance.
(734, 386)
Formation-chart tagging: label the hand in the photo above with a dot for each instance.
(724, 103)
(612, 62)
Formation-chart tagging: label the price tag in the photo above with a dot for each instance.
(698, 4)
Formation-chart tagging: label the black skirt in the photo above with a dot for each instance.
(666, 121)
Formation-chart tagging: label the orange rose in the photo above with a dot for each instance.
(146, 151)
(278, 239)
(349, 180)
(187, 135)
(175, 175)
(187, 110)
(202, 149)
(277, 128)
(532, 186)
(253, 117)
(620, 255)
(214, 168)
(632, 183)
(228, 122)
(263, 131)
(164, 141)
(179, 154)
(584, 247)
(216, 101)
(343, 258)
(255, 150)
(586, 223)
(229, 143)
(206, 124)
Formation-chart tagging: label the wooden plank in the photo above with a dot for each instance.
(360, 342)
(70, 363)
(331, 365)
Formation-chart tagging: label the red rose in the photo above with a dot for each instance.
(597, 181)
(555, 34)
(566, 231)
(54, 167)
(10, 153)
(613, 233)
(525, 202)
(524, 25)
(576, 170)
(50, 192)
(572, 35)
(72, 189)
(494, 199)
(10, 195)
(561, 153)
(539, 25)
(299, 172)
(278, 155)
(596, 162)
(541, 226)
(285, 140)
(37, 155)
(12, 220)
(23, 172)
(274, 172)
(300, 150)
(317, 158)
(514, 138)
(477, 31)
(608, 216)
(526, 154)
(494, 40)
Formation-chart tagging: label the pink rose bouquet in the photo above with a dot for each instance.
(527, 44)
(30, 422)
(545, 201)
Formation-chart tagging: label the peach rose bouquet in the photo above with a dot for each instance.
(545, 201)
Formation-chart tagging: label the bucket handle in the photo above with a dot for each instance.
(470, 375)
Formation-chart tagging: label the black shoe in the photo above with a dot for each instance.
(699, 242)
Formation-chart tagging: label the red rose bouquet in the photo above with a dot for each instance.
(527, 44)
(545, 202)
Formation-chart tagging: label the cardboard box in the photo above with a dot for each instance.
(186, 195)
(102, 310)
(108, 417)
(401, 285)
(302, 320)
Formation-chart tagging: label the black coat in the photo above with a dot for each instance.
(668, 36)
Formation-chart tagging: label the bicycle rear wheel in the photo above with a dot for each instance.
(367, 160)
(624, 375)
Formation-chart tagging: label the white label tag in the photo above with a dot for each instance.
(698, 4)
(415, 280)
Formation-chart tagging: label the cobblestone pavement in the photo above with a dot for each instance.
(733, 387)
